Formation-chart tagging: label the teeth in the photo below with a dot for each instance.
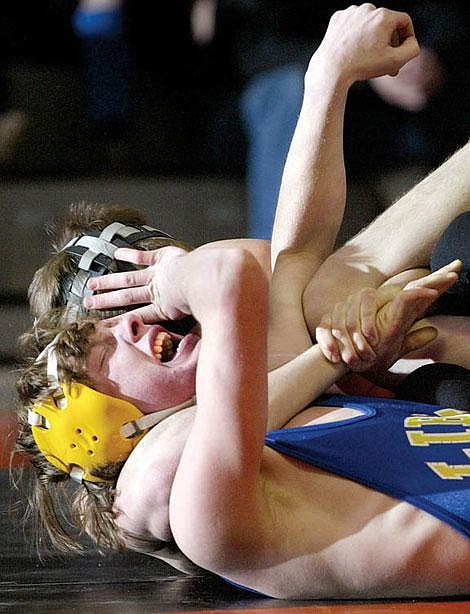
(163, 347)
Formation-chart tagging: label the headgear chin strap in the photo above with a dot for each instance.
(80, 430)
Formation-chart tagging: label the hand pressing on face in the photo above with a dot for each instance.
(154, 286)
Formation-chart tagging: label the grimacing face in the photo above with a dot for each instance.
(143, 363)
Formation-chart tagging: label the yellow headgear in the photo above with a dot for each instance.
(81, 431)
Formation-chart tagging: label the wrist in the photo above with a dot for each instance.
(326, 73)
(171, 286)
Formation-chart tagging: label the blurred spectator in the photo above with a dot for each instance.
(109, 85)
(159, 103)
(99, 25)
(417, 118)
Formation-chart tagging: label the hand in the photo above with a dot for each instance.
(415, 84)
(365, 42)
(154, 284)
(372, 328)
(203, 21)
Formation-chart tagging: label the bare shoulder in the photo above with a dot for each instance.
(144, 485)
(259, 248)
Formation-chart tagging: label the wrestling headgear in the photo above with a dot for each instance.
(95, 254)
(80, 430)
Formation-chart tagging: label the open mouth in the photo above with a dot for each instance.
(164, 347)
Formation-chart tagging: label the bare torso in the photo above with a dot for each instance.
(327, 536)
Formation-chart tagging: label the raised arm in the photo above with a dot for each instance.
(360, 43)
(227, 292)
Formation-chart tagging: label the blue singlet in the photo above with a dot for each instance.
(416, 452)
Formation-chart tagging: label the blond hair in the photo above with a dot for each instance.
(60, 510)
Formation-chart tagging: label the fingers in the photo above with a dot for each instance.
(118, 298)
(113, 281)
(399, 315)
(402, 39)
(360, 325)
(138, 256)
(150, 315)
(326, 341)
(121, 289)
(368, 310)
(344, 335)
(440, 280)
(403, 28)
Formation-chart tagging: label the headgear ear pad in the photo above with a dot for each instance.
(82, 430)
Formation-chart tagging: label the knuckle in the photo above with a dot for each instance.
(127, 279)
(350, 359)
(127, 295)
(368, 330)
(337, 333)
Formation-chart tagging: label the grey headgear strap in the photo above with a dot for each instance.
(96, 254)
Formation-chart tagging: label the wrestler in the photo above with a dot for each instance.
(225, 524)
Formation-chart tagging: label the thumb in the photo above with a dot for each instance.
(136, 256)
(418, 338)
(403, 53)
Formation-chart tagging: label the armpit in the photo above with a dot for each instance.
(166, 551)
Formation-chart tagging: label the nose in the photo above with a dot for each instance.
(133, 326)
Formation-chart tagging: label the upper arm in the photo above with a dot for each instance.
(217, 484)
(288, 334)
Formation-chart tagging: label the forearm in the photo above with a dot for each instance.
(411, 227)
(312, 193)
(310, 207)
(297, 383)
(360, 43)
(401, 238)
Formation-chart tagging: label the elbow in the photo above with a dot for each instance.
(238, 276)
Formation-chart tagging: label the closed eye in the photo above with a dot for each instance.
(105, 353)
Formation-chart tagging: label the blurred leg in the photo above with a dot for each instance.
(270, 107)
